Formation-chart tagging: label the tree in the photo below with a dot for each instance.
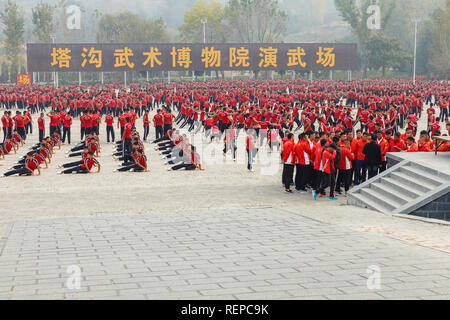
(401, 24)
(44, 25)
(384, 52)
(440, 48)
(216, 29)
(256, 20)
(14, 29)
(129, 27)
(355, 14)
(4, 73)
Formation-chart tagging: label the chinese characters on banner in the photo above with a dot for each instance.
(24, 79)
(190, 57)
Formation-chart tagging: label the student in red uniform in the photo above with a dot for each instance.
(289, 162)
(397, 144)
(146, 122)
(303, 154)
(8, 147)
(158, 121)
(328, 172)
(230, 142)
(384, 145)
(361, 169)
(41, 127)
(140, 163)
(54, 122)
(20, 125)
(31, 165)
(411, 145)
(345, 168)
(84, 155)
(28, 122)
(168, 119)
(194, 164)
(5, 125)
(251, 149)
(121, 122)
(67, 124)
(109, 120)
(126, 138)
(89, 163)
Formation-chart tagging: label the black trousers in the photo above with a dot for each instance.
(20, 172)
(110, 134)
(167, 127)
(53, 129)
(146, 132)
(298, 176)
(22, 133)
(82, 131)
(130, 167)
(71, 165)
(29, 128)
(187, 167)
(250, 156)
(66, 134)
(302, 176)
(315, 176)
(5, 133)
(328, 180)
(288, 174)
(344, 179)
(78, 170)
(383, 166)
(41, 135)
(159, 132)
(127, 147)
(77, 148)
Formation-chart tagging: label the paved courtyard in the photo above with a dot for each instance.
(222, 233)
(265, 253)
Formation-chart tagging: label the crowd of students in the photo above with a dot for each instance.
(131, 150)
(39, 154)
(266, 111)
(340, 159)
(90, 151)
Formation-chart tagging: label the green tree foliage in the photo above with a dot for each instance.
(440, 44)
(129, 27)
(43, 21)
(192, 28)
(14, 29)
(256, 20)
(4, 73)
(355, 14)
(385, 52)
(401, 24)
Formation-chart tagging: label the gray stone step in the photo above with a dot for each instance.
(402, 187)
(360, 200)
(391, 193)
(433, 172)
(381, 199)
(422, 176)
(413, 183)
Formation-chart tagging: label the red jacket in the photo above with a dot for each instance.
(288, 152)
(303, 153)
(328, 161)
(346, 159)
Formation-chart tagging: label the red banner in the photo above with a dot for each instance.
(24, 79)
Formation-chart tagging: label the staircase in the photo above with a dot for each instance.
(403, 189)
